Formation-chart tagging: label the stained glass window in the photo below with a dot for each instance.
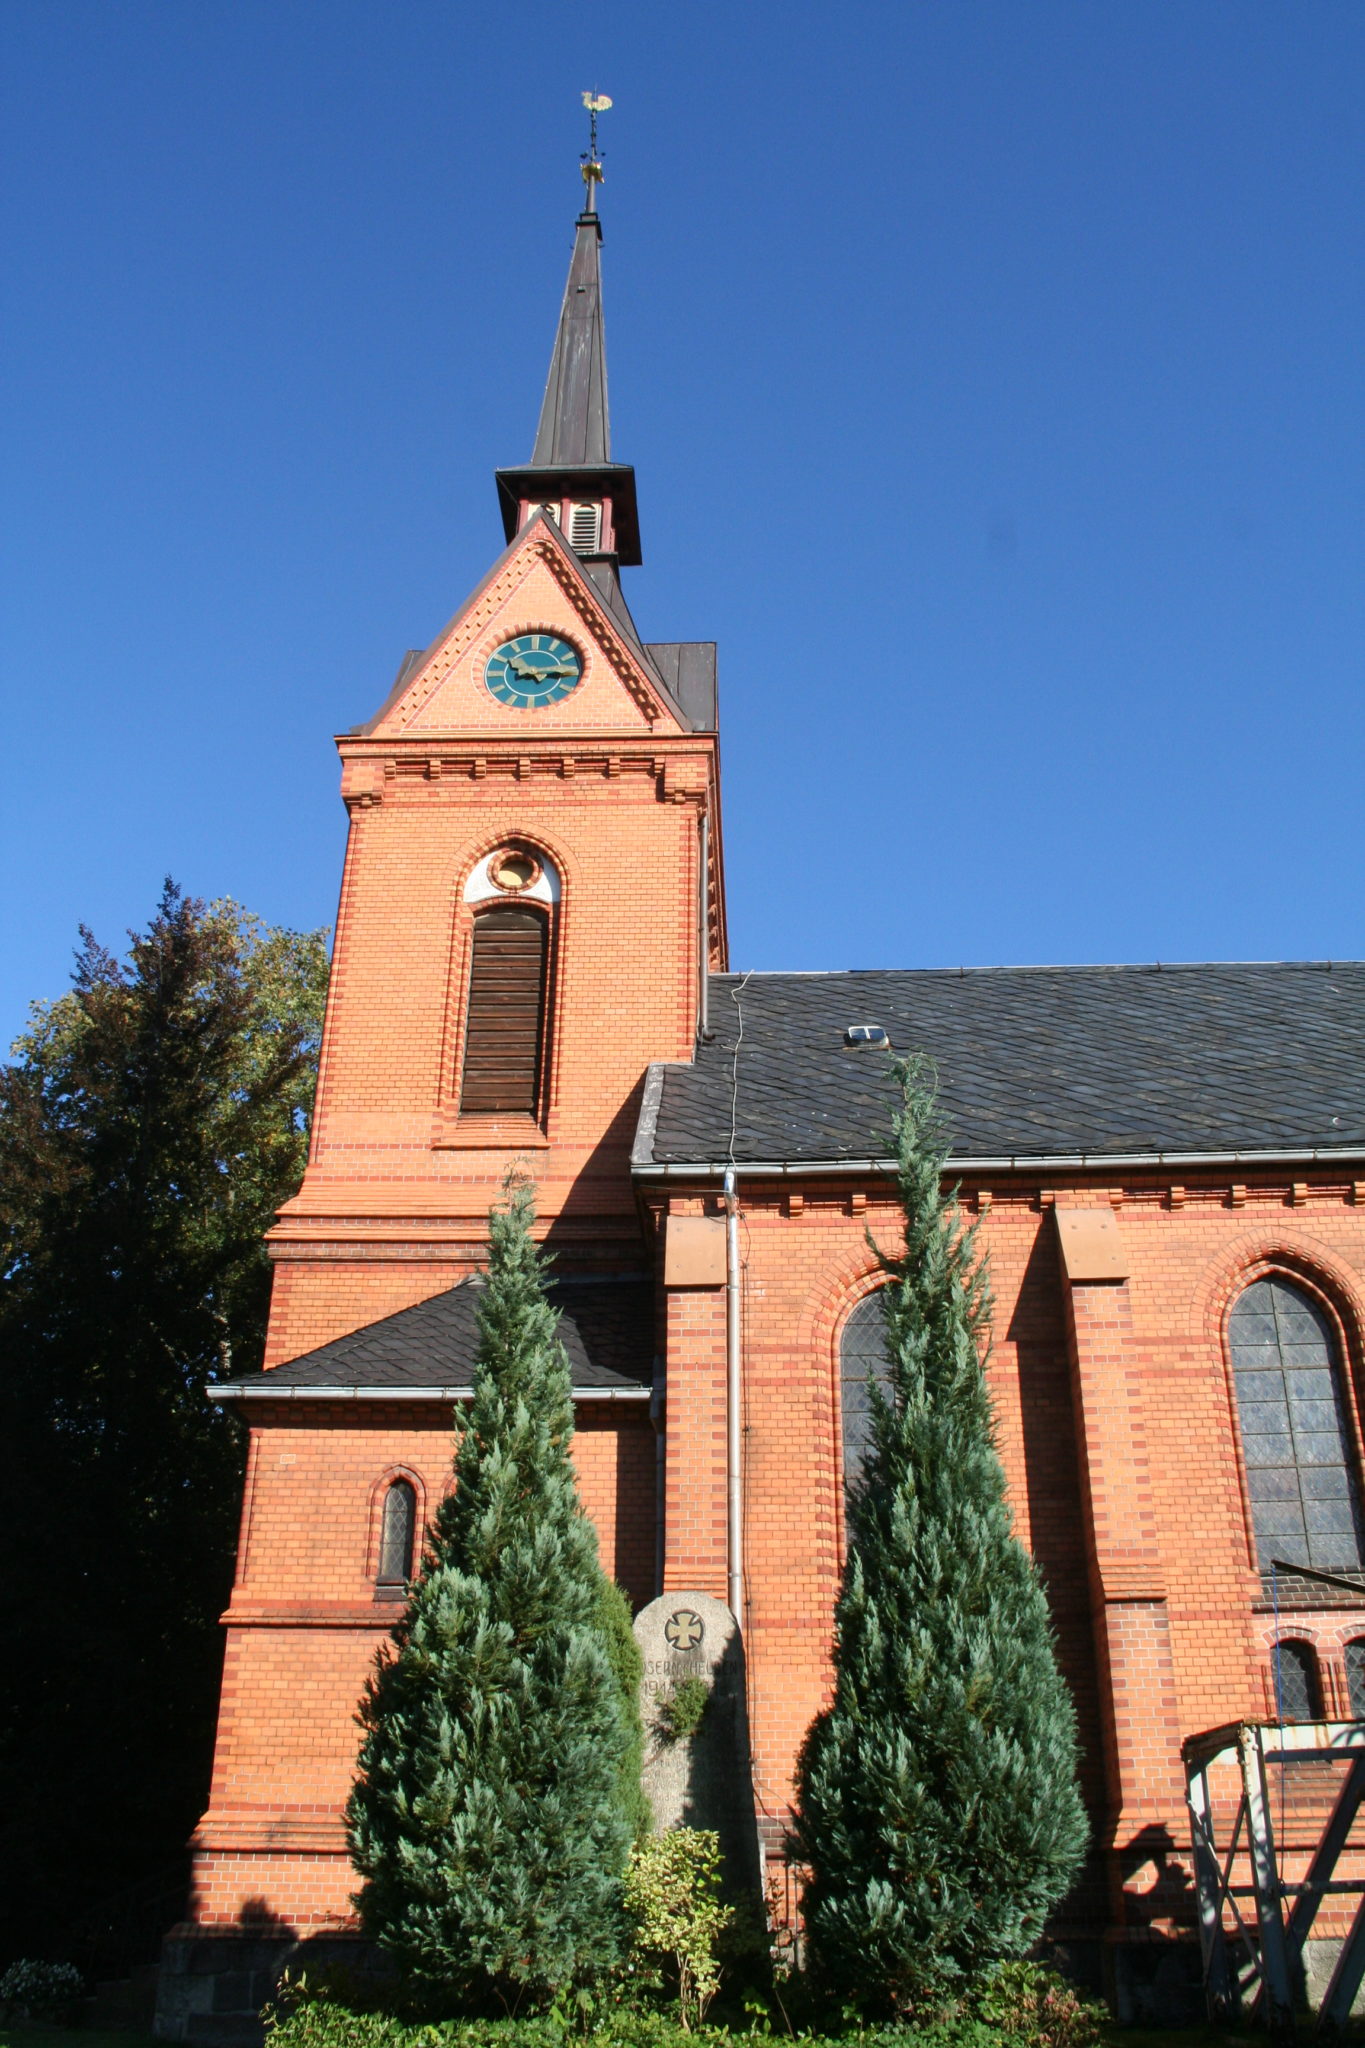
(1299, 1694)
(1305, 1503)
(1355, 1678)
(396, 1533)
(863, 1358)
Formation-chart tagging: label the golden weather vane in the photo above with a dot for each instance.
(596, 103)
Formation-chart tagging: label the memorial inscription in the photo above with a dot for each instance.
(701, 1780)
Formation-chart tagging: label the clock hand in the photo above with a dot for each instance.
(540, 672)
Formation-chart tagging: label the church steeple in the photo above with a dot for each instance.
(571, 476)
(575, 427)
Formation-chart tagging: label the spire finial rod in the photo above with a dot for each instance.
(596, 103)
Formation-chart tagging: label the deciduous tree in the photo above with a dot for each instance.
(151, 1122)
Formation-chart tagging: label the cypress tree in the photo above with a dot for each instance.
(487, 1818)
(938, 1806)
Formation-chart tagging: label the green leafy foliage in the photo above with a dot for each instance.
(1032, 2005)
(311, 2020)
(679, 1712)
(31, 1990)
(152, 1121)
(673, 1893)
(488, 1819)
(937, 1798)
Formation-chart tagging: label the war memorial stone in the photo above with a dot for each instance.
(702, 1779)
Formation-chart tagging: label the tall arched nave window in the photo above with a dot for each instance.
(863, 1359)
(1296, 1439)
(1298, 1683)
(397, 1533)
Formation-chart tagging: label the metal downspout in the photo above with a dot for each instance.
(704, 931)
(734, 1498)
(657, 1416)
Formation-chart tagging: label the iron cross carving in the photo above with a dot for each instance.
(684, 1630)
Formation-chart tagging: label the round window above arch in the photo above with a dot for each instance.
(513, 870)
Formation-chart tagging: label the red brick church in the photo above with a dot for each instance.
(531, 965)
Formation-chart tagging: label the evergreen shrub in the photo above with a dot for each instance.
(491, 1816)
(47, 1992)
(937, 1802)
(627, 1668)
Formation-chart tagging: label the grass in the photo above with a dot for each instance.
(1183, 2037)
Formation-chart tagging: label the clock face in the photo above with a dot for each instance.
(533, 669)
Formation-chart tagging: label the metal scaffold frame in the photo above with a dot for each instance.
(1272, 1954)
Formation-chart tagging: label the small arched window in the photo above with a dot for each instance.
(397, 1529)
(1305, 1502)
(505, 1020)
(863, 1358)
(1355, 1678)
(1298, 1688)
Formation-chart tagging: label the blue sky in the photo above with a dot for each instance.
(992, 373)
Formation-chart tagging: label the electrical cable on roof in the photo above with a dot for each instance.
(735, 995)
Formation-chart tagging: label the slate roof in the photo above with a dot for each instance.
(575, 425)
(606, 1327)
(1033, 1062)
(688, 668)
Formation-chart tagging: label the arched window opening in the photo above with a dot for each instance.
(396, 1533)
(1355, 1678)
(505, 1023)
(1305, 1501)
(864, 1358)
(1298, 1687)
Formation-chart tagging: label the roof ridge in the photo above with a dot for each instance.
(1033, 967)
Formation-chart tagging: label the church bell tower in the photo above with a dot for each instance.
(531, 900)
(532, 893)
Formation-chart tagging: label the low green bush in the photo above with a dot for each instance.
(679, 1712)
(673, 1894)
(318, 2023)
(1018, 2005)
(1033, 2006)
(49, 1992)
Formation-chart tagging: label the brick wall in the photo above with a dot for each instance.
(1116, 1426)
(304, 1626)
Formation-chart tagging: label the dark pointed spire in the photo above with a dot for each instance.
(571, 468)
(575, 426)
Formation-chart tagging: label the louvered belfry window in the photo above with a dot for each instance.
(585, 528)
(506, 1021)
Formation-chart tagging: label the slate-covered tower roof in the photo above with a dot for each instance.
(575, 424)
(572, 454)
